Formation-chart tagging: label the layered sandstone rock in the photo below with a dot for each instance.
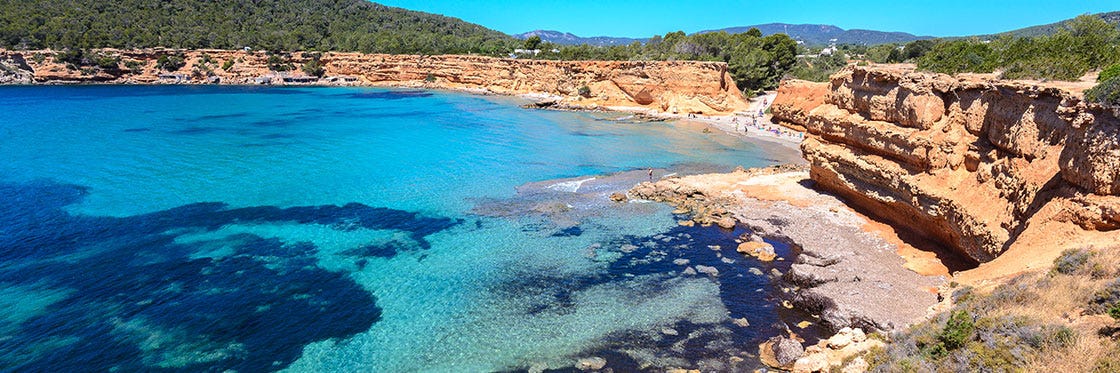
(795, 99)
(969, 162)
(664, 86)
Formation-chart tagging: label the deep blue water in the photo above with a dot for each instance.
(337, 229)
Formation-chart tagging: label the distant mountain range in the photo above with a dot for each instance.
(810, 34)
(827, 34)
(565, 38)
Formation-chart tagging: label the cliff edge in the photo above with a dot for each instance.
(980, 166)
(663, 86)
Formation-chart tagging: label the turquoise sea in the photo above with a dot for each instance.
(361, 230)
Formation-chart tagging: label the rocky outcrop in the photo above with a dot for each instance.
(970, 163)
(14, 69)
(795, 99)
(849, 276)
(663, 86)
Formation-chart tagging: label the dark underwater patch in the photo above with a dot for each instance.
(139, 300)
(745, 295)
(140, 129)
(389, 95)
(573, 231)
(197, 130)
(214, 117)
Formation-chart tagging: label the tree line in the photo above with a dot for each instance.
(756, 62)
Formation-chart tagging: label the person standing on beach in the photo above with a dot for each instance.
(651, 174)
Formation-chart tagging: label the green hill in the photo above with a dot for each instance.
(1050, 29)
(345, 25)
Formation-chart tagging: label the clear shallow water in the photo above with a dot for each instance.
(214, 228)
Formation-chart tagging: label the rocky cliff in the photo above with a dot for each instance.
(665, 86)
(975, 164)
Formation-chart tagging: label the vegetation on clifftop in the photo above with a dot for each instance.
(756, 62)
(1082, 44)
(1035, 322)
(305, 25)
(1067, 52)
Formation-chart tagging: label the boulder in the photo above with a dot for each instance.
(618, 197)
(785, 350)
(726, 222)
(761, 250)
(841, 339)
(811, 363)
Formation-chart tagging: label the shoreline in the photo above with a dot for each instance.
(845, 270)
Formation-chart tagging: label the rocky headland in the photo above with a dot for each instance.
(979, 166)
(678, 87)
(916, 179)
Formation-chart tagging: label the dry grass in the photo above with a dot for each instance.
(1037, 322)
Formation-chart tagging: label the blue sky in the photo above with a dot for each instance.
(649, 17)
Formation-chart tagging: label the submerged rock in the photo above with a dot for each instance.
(618, 197)
(591, 363)
(708, 270)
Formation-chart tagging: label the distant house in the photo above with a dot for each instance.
(173, 78)
(518, 53)
(264, 80)
(300, 79)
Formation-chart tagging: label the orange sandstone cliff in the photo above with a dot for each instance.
(980, 166)
(664, 86)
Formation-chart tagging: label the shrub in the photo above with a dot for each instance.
(1114, 311)
(314, 68)
(1106, 93)
(1059, 336)
(108, 62)
(170, 62)
(38, 57)
(227, 65)
(278, 63)
(1109, 72)
(958, 330)
(1071, 260)
(70, 57)
(1109, 363)
(1107, 299)
(134, 66)
(430, 78)
(959, 56)
(584, 91)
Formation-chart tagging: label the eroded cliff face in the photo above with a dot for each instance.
(665, 86)
(974, 164)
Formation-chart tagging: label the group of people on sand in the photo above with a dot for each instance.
(775, 130)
